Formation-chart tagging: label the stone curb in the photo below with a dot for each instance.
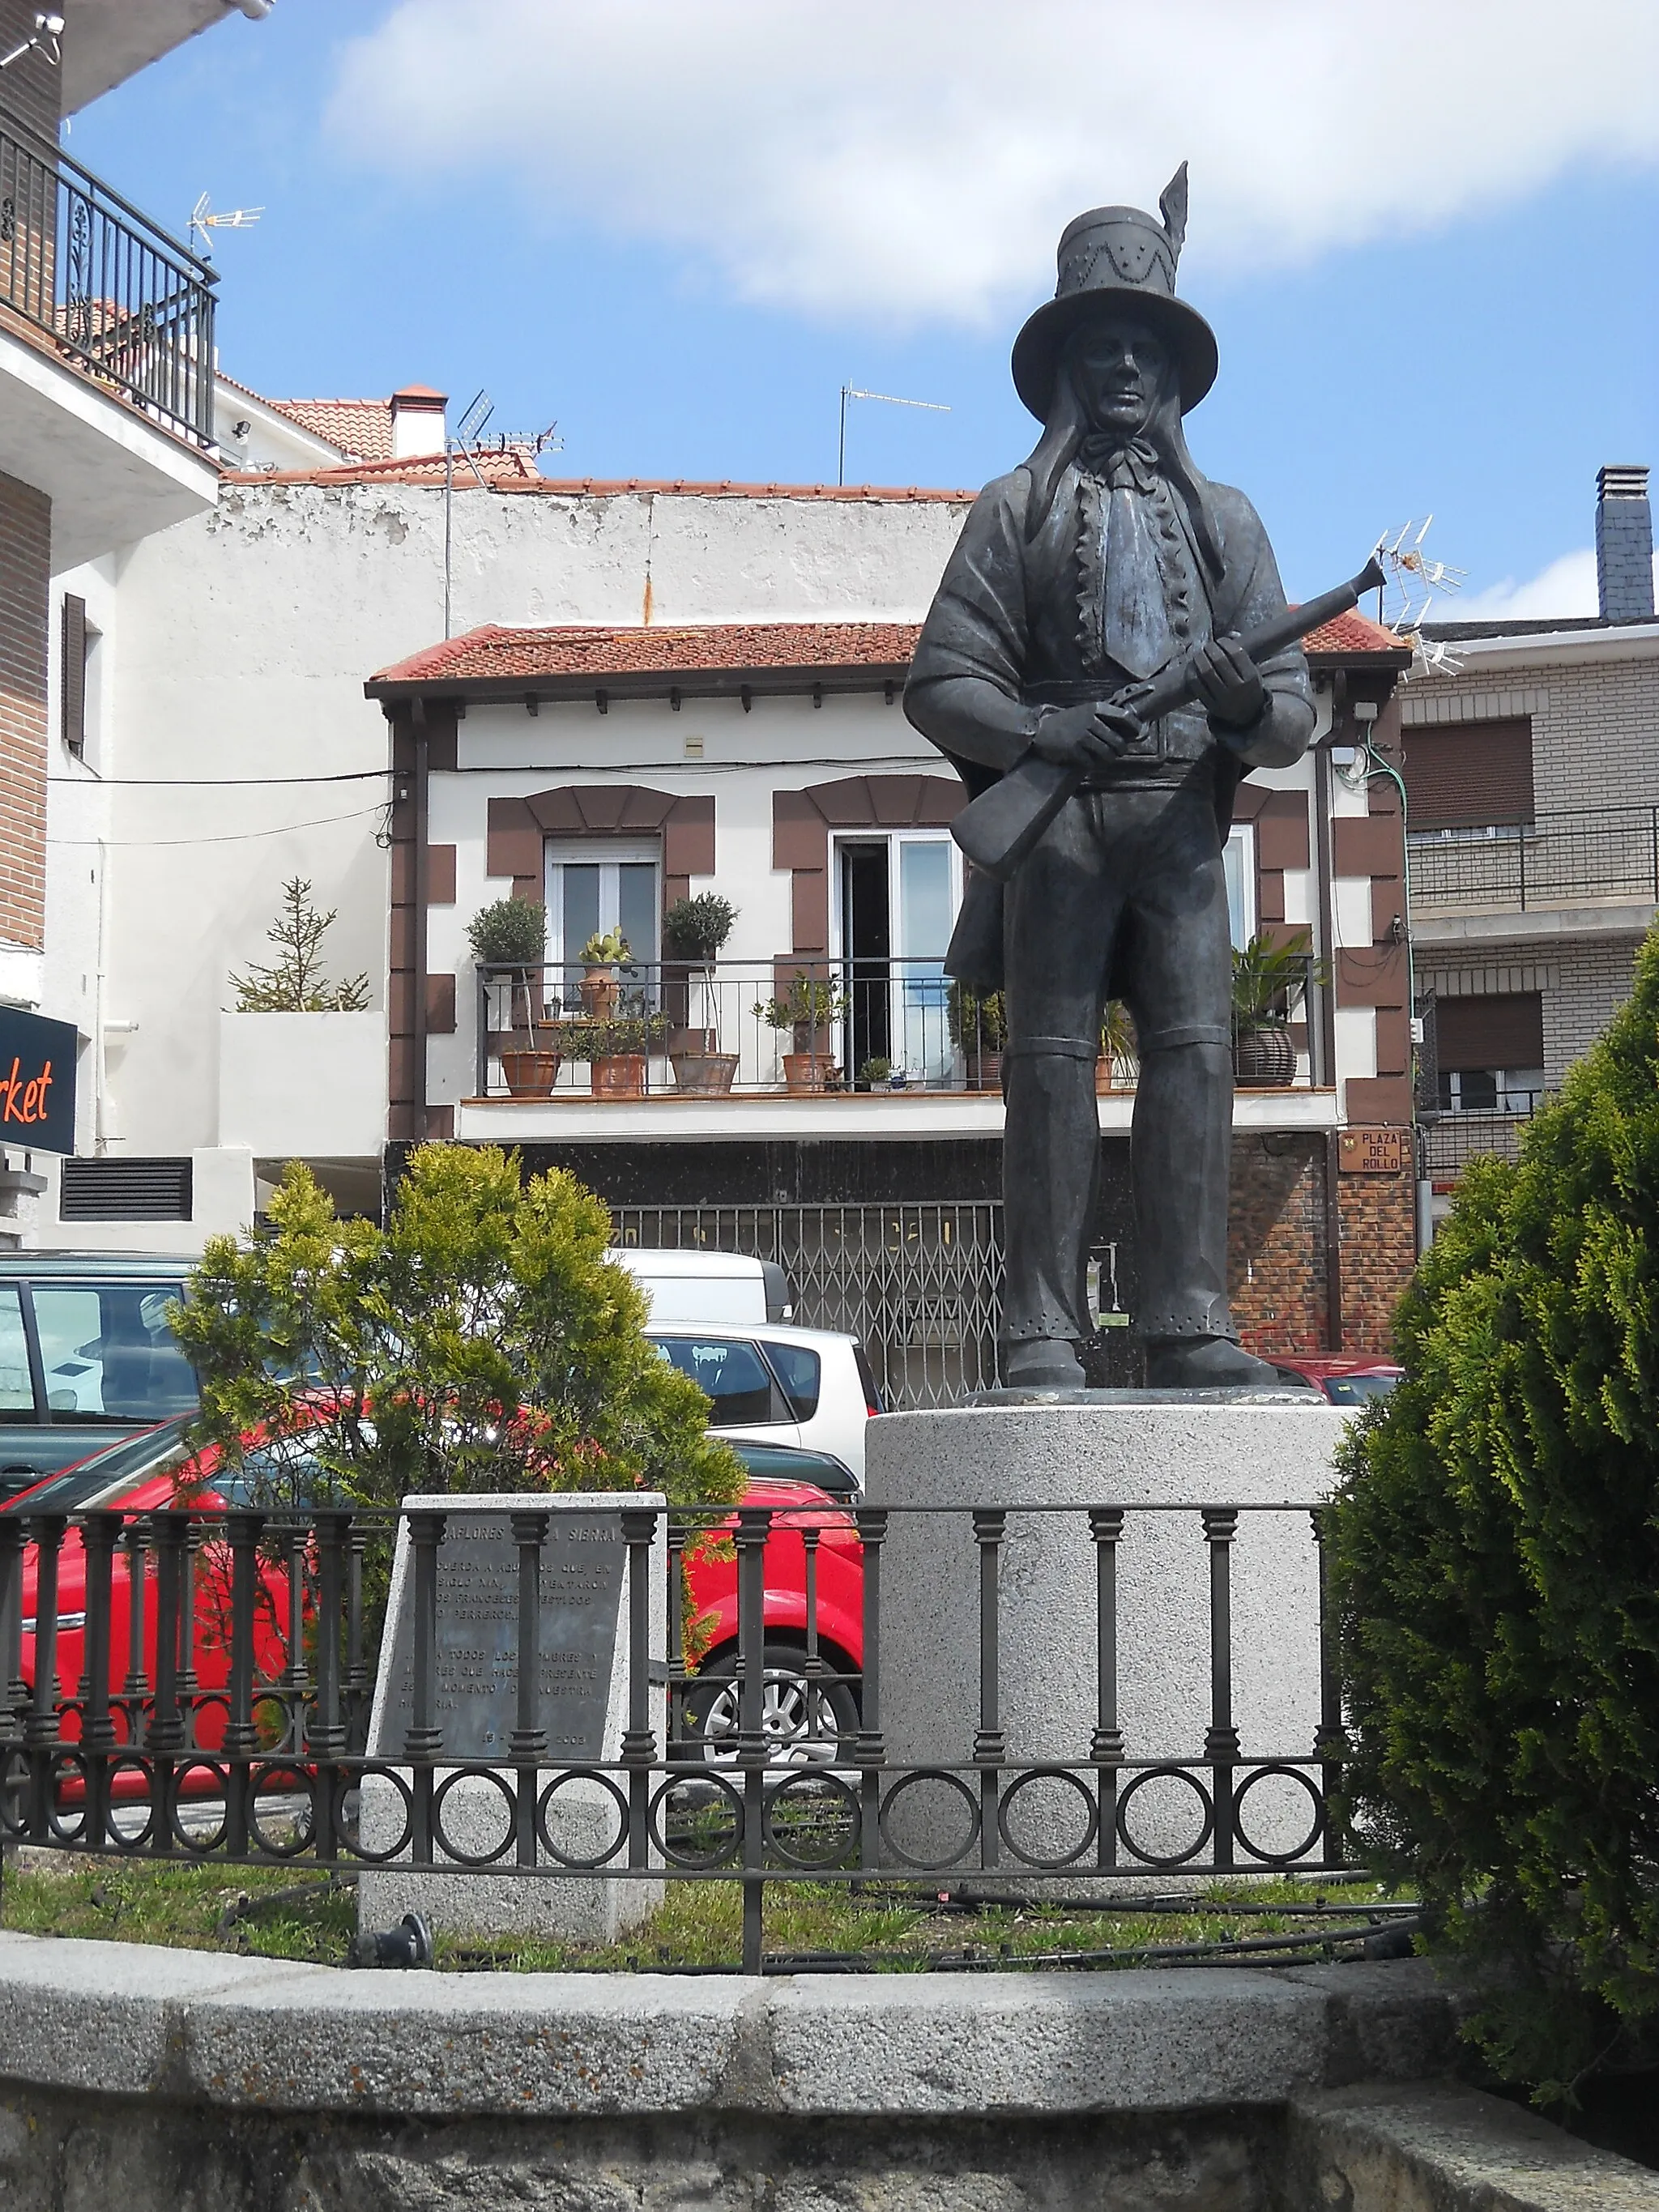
(1445, 2150)
(201, 2028)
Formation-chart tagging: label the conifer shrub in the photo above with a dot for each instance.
(1495, 1556)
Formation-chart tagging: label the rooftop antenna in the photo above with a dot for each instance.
(478, 412)
(1414, 577)
(888, 399)
(466, 440)
(203, 220)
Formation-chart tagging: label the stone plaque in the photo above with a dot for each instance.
(583, 1563)
(1372, 1152)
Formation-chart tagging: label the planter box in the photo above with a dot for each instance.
(303, 1086)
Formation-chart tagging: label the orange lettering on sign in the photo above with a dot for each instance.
(31, 1104)
(1372, 1151)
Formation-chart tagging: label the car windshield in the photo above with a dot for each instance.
(108, 1354)
(107, 1473)
(1357, 1389)
(730, 1370)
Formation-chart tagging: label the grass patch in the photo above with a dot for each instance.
(287, 1912)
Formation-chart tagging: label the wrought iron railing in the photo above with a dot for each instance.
(794, 1024)
(131, 307)
(194, 1686)
(1569, 856)
(1451, 1140)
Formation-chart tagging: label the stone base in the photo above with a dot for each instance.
(1124, 1449)
(582, 1817)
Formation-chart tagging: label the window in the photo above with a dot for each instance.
(1469, 776)
(107, 1353)
(78, 641)
(801, 1373)
(730, 1372)
(1489, 1052)
(16, 1390)
(1238, 859)
(595, 885)
(899, 897)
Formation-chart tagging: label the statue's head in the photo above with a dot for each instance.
(1123, 372)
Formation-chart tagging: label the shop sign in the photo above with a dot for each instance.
(37, 1083)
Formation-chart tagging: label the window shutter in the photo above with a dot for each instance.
(1469, 776)
(1495, 1032)
(75, 672)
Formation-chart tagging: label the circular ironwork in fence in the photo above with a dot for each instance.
(127, 1714)
(1127, 1797)
(270, 1770)
(115, 1836)
(586, 1861)
(706, 1788)
(284, 1737)
(353, 1779)
(199, 1844)
(813, 1789)
(1316, 1830)
(14, 1782)
(1090, 1816)
(61, 1764)
(441, 1839)
(205, 1701)
(920, 1777)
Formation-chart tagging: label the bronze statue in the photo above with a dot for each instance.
(1100, 581)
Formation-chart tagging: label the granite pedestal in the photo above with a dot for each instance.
(1076, 1451)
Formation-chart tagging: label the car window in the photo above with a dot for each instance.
(1357, 1389)
(107, 1476)
(16, 1391)
(800, 1372)
(732, 1374)
(107, 1352)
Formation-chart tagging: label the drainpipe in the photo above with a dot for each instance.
(417, 949)
(1327, 1022)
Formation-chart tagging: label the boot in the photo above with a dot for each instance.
(1206, 1362)
(1041, 1362)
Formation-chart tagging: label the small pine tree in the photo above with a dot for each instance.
(1495, 1554)
(296, 982)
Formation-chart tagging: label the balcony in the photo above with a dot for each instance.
(797, 1047)
(1592, 860)
(106, 354)
(1451, 1142)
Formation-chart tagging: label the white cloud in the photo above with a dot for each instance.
(916, 158)
(1566, 587)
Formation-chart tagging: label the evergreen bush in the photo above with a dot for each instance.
(1495, 1558)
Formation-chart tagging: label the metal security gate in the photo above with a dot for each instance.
(920, 1284)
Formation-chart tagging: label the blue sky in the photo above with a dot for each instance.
(679, 229)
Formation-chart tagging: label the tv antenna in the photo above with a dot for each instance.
(1414, 577)
(204, 221)
(467, 441)
(888, 399)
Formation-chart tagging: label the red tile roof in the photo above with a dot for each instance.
(528, 480)
(600, 656)
(513, 469)
(362, 428)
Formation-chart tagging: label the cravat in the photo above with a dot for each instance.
(1134, 617)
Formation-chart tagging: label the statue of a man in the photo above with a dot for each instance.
(1105, 559)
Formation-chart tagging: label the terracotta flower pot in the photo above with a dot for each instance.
(529, 1072)
(985, 1071)
(1102, 1075)
(599, 993)
(1265, 1057)
(619, 1075)
(704, 1072)
(807, 1073)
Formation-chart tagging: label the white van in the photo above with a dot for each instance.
(708, 1287)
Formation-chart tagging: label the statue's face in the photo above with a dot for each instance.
(1119, 365)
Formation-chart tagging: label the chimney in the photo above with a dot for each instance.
(1624, 544)
(417, 422)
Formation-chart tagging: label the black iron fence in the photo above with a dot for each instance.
(1451, 1140)
(191, 1685)
(130, 305)
(792, 1025)
(1570, 856)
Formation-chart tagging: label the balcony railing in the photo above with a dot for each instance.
(130, 305)
(792, 1025)
(1451, 1142)
(1577, 857)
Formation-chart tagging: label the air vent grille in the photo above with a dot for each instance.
(125, 1190)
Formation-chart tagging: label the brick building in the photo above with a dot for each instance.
(1532, 773)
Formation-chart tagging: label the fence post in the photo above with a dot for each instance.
(40, 1729)
(294, 1684)
(989, 1525)
(639, 1743)
(1106, 1747)
(1331, 1744)
(526, 1746)
(325, 1737)
(170, 1534)
(423, 1738)
(754, 1526)
(242, 1740)
(14, 1691)
(356, 1685)
(135, 1690)
(1221, 1737)
(871, 1749)
(676, 1633)
(100, 1534)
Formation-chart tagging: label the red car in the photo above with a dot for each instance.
(1344, 1382)
(809, 1703)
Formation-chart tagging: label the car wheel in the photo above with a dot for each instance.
(805, 1721)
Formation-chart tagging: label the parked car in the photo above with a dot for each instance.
(708, 1287)
(806, 1387)
(1345, 1382)
(86, 1355)
(812, 1710)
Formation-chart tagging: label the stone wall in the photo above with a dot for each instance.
(1378, 1217)
(1276, 1244)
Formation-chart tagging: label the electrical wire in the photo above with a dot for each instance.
(95, 782)
(229, 837)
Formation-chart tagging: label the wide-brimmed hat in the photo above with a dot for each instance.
(1122, 259)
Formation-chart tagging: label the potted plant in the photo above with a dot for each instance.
(512, 934)
(695, 930)
(605, 952)
(1270, 981)
(876, 1074)
(978, 1023)
(1117, 1045)
(615, 1050)
(808, 1010)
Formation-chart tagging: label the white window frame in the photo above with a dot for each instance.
(608, 854)
(1240, 839)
